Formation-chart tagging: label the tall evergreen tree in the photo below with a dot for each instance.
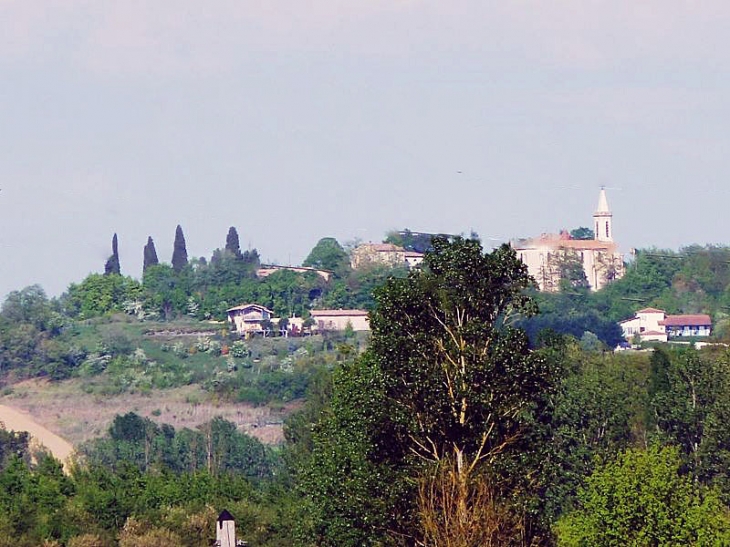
(232, 243)
(150, 255)
(179, 251)
(112, 263)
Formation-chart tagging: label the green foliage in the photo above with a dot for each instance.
(642, 499)
(582, 233)
(446, 377)
(179, 251)
(216, 447)
(233, 247)
(99, 294)
(570, 270)
(31, 306)
(354, 483)
(165, 290)
(112, 264)
(13, 445)
(600, 409)
(150, 255)
(356, 292)
(418, 242)
(329, 255)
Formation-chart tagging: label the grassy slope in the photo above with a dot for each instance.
(174, 383)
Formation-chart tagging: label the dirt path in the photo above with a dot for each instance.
(20, 421)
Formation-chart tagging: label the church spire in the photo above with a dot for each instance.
(603, 219)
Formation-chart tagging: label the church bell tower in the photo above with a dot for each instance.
(603, 219)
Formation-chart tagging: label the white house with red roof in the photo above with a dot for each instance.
(678, 326)
(653, 325)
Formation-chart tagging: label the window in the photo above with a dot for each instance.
(607, 229)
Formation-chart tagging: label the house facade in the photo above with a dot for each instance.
(546, 256)
(336, 320)
(678, 326)
(248, 319)
(383, 253)
(651, 324)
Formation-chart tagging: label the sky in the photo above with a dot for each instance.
(297, 120)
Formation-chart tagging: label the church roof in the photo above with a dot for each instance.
(556, 241)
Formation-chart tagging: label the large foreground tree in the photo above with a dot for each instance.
(444, 401)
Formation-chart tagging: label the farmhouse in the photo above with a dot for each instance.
(249, 318)
(339, 319)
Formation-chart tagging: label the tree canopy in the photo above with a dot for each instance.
(329, 255)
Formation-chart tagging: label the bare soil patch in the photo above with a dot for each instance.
(64, 409)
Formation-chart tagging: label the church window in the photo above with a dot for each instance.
(606, 228)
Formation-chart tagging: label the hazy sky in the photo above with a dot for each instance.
(295, 120)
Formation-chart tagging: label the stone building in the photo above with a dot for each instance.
(548, 255)
(383, 253)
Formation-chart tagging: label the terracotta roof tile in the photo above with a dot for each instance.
(690, 320)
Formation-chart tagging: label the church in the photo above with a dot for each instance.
(548, 256)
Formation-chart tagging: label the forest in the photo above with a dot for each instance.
(478, 411)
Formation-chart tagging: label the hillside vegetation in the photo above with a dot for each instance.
(450, 413)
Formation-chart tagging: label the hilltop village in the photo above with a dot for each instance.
(588, 258)
(375, 389)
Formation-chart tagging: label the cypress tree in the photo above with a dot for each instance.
(112, 263)
(150, 255)
(179, 251)
(232, 244)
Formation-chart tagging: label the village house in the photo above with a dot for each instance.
(601, 260)
(254, 319)
(336, 320)
(249, 319)
(383, 253)
(653, 325)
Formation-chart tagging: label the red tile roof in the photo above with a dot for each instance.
(650, 310)
(691, 320)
